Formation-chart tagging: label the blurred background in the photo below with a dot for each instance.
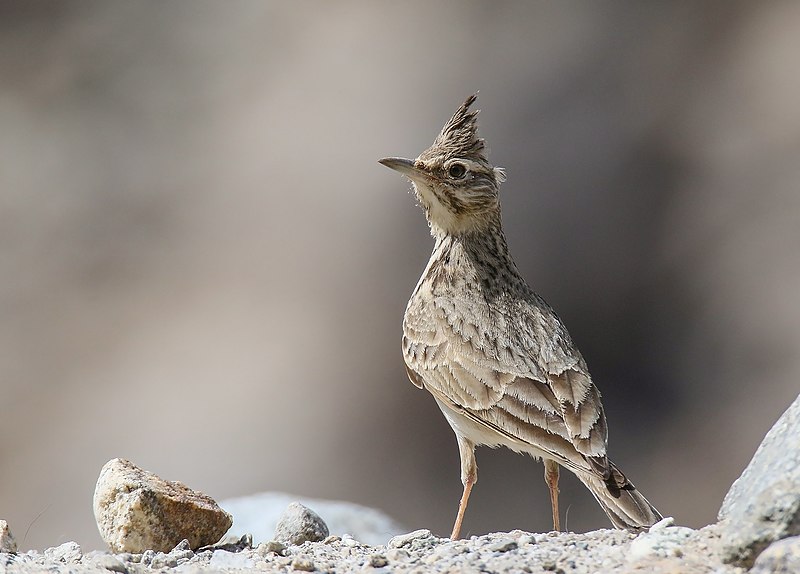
(203, 268)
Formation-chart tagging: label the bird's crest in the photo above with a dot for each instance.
(459, 136)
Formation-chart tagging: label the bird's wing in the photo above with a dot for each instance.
(517, 374)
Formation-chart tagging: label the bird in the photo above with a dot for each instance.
(496, 357)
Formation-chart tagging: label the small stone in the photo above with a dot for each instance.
(137, 511)
(378, 561)
(397, 555)
(147, 557)
(404, 539)
(303, 563)
(663, 543)
(69, 552)
(526, 539)
(300, 524)
(503, 545)
(232, 543)
(662, 524)
(271, 547)
(163, 560)
(782, 557)
(225, 559)
(109, 562)
(331, 539)
(7, 542)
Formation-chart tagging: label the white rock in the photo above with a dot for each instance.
(662, 524)
(403, 539)
(68, 552)
(665, 542)
(225, 559)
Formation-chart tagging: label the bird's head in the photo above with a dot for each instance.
(453, 180)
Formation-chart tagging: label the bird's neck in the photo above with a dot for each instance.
(484, 253)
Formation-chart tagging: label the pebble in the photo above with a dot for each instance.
(225, 559)
(397, 555)
(7, 542)
(303, 563)
(662, 524)
(405, 539)
(503, 545)
(271, 546)
(300, 524)
(378, 561)
(110, 562)
(68, 552)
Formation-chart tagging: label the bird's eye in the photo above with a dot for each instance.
(457, 171)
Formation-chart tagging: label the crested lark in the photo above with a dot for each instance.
(494, 355)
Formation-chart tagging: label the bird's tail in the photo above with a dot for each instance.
(624, 505)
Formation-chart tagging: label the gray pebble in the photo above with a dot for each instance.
(378, 561)
(271, 547)
(404, 539)
(397, 555)
(162, 560)
(107, 561)
(303, 563)
(300, 524)
(147, 557)
(503, 545)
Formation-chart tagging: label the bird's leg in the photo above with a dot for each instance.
(551, 478)
(469, 476)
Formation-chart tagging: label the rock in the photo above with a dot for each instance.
(224, 559)
(69, 552)
(109, 562)
(397, 555)
(300, 524)
(782, 557)
(7, 542)
(763, 504)
(405, 539)
(259, 514)
(232, 543)
(303, 563)
(378, 561)
(136, 511)
(503, 545)
(661, 541)
(271, 547)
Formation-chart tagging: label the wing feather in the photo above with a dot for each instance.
(521, 377)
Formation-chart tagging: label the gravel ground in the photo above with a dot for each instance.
(665, 549)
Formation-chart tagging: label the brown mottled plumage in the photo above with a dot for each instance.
(494, 355)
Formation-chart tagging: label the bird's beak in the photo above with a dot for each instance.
(404, 166)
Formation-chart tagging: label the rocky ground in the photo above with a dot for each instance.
(758, 532)
(665, 549)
